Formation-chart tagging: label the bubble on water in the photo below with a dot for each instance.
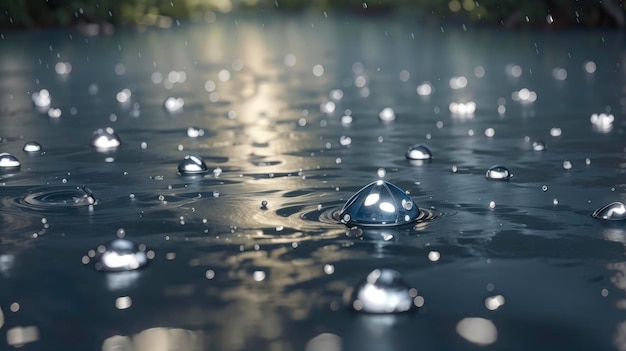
(381, 172)
(379, 203)
(387, 114)
(555, 132)
(384, 291)
(544, 188)
(498, 173)
(105, 139)
(173, 104)
(41, 98)
(567, 165)
(418, 152)
(120, 255)
(424, 89)
(539, 146)
(615, 211)
(32, 147)
(191, 165)
(195, 132)
(8, 161)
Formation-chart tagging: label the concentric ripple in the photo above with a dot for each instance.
(65, 197)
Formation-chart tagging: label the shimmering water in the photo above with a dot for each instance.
(297, 114)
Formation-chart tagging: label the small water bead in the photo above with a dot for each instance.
(120, 255)
(173, 104)
(615, 211)
(498, 173)
(192, 165)
(384, 291)
(424, 89)
(555, 201)
(539, 146)
(32, 147)
(105, 139)
(345, 140)
(567, 165)
(41, 98)
(381, 172)
(387, 115)
(587, 161)
(555, 132)
(419, 152)
(544, 188)
(8, 161)
(492, 204)
(195, 132)
(379, 203)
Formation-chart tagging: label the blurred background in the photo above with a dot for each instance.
(164, 13)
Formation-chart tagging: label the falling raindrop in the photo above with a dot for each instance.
(105, 139)
(615, 211)
(384, 291)
(32, 147)
(379, 203)
(539, 146)
(8, 161)
(120, 255)
(498, 173)
(387, 115)
(192, 165)
(418, 152)
(567, 165)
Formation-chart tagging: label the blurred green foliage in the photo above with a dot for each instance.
(501, 13)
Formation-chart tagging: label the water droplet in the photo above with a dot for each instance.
(615, 211)
(264, 204)
(217, 172)
(32, 146)
(544, 188)
(9, 162)
(555, 132)
(120, 255)
(383, 291)
(498, 173)
(173, 104)
(345, 140)
(192, 165)
(492, 204)
(539, 146)
(194, 132)
(424, 89)
(105, 139)
(555, 201)
(567, 165)
(41, 98)
(381, 172)
(387, 115)
(418, 152)
(587, 161)
(379, 203)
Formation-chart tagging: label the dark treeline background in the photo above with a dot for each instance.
(498, 13)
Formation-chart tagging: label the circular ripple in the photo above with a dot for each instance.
(331, 216)
(59, 198)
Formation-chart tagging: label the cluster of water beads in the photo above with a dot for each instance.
(615, 211)
(603, 122)
(192, 165)
(524, 95)
(418, 152)
(9, 162)
(462, 108)
(32, 147)
(384, 291)
(173, 104)
(41, 98)
(498, 173)
(379, 203)
(105, 139)
(539, 146)
(118, 255)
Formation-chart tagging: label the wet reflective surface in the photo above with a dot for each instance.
(251, 255)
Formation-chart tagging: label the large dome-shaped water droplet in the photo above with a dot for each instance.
(384, 291)
(419, 152)
(8, 161)
(379, 204)
(192, 165)
(498, 173)
(32, 147)
(105, 139)
(615, 211)
(120, 255)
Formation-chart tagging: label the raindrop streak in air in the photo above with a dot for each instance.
(8, 162)
(105, 139)
(539, 146)
(192, 165)
(31, 147)
(419, 152)
(615, 211)
(120, 255)
(498, 173)
(379, 203)
(384, 291)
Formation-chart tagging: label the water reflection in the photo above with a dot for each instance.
(157, 339)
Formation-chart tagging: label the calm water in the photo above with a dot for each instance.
(506, 264)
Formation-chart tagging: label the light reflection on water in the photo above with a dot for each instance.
(270, 285)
